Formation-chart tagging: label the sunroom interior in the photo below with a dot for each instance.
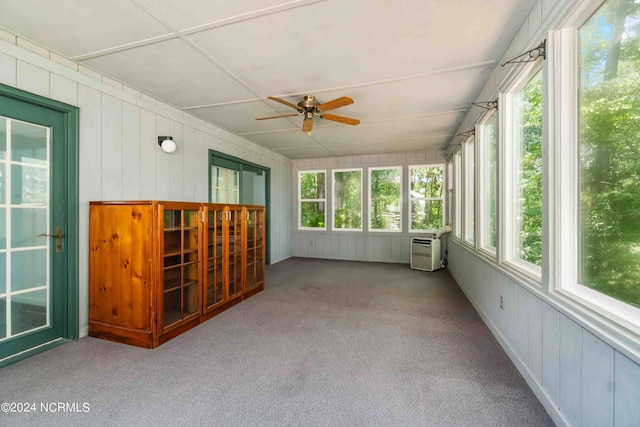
(506, 128)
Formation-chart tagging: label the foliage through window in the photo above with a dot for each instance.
(426, 197)
(609, 138)
(312, 199)
(488, 151)
(347, 199)
(457, 194)
(385, 200)
(528, 164)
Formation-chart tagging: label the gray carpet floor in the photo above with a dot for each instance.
(328, 343)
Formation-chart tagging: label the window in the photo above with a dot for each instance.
(457, 194)
(609, 152)
(311, 200)
(426, 197)
(523, 182)
(487, 185)
(449, 206)
(347, 199)
(385, 199)
(468, 157)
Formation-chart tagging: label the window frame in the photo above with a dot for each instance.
(617, 316)
(483, 145)
(400, 199)
(301, 200)
(410, 199)
(457, 193)
(469, 191)
(508, 164)
(333, 198)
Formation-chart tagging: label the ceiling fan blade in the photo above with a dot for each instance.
(341, 119)
(307, 126)
(276, 117)
(287, 103)
(336, 103)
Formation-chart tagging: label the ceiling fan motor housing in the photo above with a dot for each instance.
(309, 102)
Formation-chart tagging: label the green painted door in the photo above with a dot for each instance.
(34, 277)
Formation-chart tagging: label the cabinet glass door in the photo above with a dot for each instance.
(234, 246)
(214, 255)
(255, 248)
(181, 266)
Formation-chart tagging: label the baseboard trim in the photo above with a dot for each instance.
(555, 414)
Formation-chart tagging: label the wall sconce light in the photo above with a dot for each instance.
(167, 144)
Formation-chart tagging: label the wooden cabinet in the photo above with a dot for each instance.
(157, 269)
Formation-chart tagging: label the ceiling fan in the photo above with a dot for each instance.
(310, 107)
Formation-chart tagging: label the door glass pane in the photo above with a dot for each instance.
(28, 311)
(3, 230)
(28, 269)
(3, 273)
(26, 224)
(253, 187)
(29, 143)
(3, 138)
(225, 185)
(29, 185)
(3, 318)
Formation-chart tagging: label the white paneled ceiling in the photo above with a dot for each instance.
(411, 66)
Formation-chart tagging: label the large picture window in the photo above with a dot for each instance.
(347, 199)
(312, 200)
(609, 147)
(385, 199)
(426, 197)
(523, 170)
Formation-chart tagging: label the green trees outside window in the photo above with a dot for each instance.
(385, 200)
(609, 137)
(426, 197)
(528, 104)
(312, 199)
(347, 199)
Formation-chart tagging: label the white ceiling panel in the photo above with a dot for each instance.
(173, 71)
(294, 138)
(241, 117)
(306, 153)
(183, 14)
(387, 130)
(419, 144)
(335, 43)
(75, 27)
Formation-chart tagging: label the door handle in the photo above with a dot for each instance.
(58, 235)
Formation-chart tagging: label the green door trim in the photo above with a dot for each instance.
(217, 158)
(71, 208)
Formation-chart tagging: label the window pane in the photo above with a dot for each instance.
(487, 185)
(312, 185)
(426, 214)
(426, 181)
(427, 197)
(385, 199)
(469, 191)
(312, 214)
(529, 179)
(347, 199)
(457, 189)
(609, 98)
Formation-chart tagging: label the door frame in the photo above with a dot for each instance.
(70, 221)
(213, 154)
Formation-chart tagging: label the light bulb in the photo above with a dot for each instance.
(168, 146)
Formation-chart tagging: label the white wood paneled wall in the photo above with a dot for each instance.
(119, 154)
(581, 379)
(358, 245)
